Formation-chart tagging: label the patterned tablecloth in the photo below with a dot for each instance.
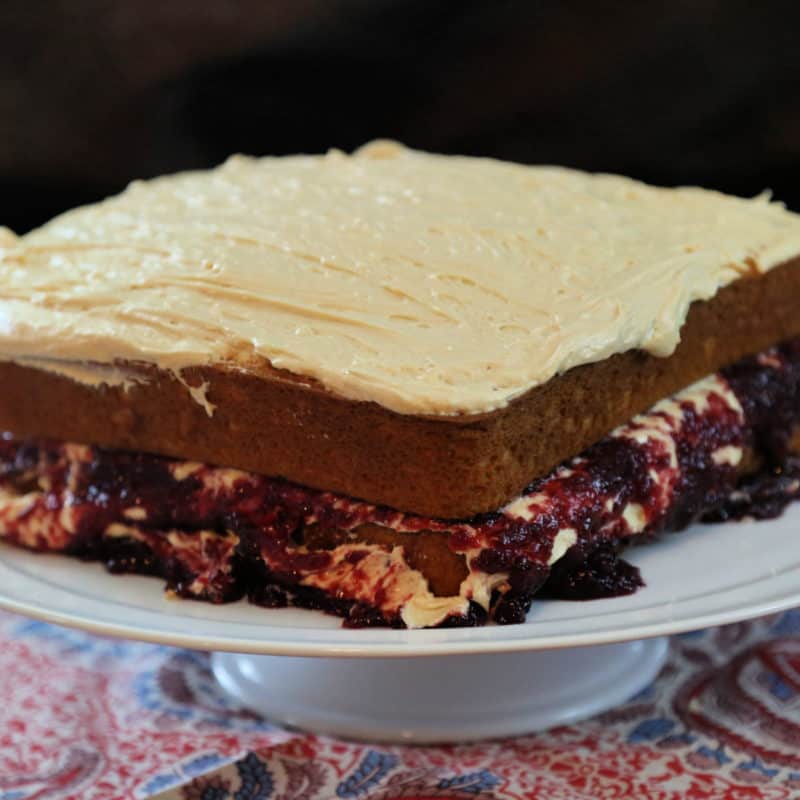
(82, 717)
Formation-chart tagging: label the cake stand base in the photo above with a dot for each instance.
(442, 698)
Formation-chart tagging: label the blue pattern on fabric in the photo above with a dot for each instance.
(718, 755)
(160, 782)
(474, 783)
(371, 770)
(256, 780)
(788, 623)
(203, 763)
(754, 765)
(651, 729)
(69, 642)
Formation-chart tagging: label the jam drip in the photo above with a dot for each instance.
(600, 572)
(768, 387)
(660, 471)
(763, 495)
(217, 534)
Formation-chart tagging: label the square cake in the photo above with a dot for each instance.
(410, 389)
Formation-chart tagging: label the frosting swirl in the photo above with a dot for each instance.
(426, 283)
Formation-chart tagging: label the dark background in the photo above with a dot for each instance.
(94, 93)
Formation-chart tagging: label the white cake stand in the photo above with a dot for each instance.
(566, 662)
(441, 698)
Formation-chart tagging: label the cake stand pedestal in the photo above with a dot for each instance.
(456, 698)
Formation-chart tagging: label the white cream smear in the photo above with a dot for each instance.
(428, 284)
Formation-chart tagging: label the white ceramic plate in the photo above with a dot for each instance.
(707, 575)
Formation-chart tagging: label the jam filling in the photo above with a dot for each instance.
(719, 450)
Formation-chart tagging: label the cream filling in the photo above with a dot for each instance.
(88, 373)
(564, 539)
(428, 284)
(406, 590)
(478, 586)
(200, 396)
(730, 455)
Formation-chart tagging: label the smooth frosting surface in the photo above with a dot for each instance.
(429, 284)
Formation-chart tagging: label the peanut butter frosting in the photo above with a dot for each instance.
(426, 283)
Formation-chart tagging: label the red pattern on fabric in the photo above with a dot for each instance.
(87, 718)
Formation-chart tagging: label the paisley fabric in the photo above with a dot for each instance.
(87, 718)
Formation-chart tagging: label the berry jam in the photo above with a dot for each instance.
(218, 534)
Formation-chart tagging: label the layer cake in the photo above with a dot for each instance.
(391, 384)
